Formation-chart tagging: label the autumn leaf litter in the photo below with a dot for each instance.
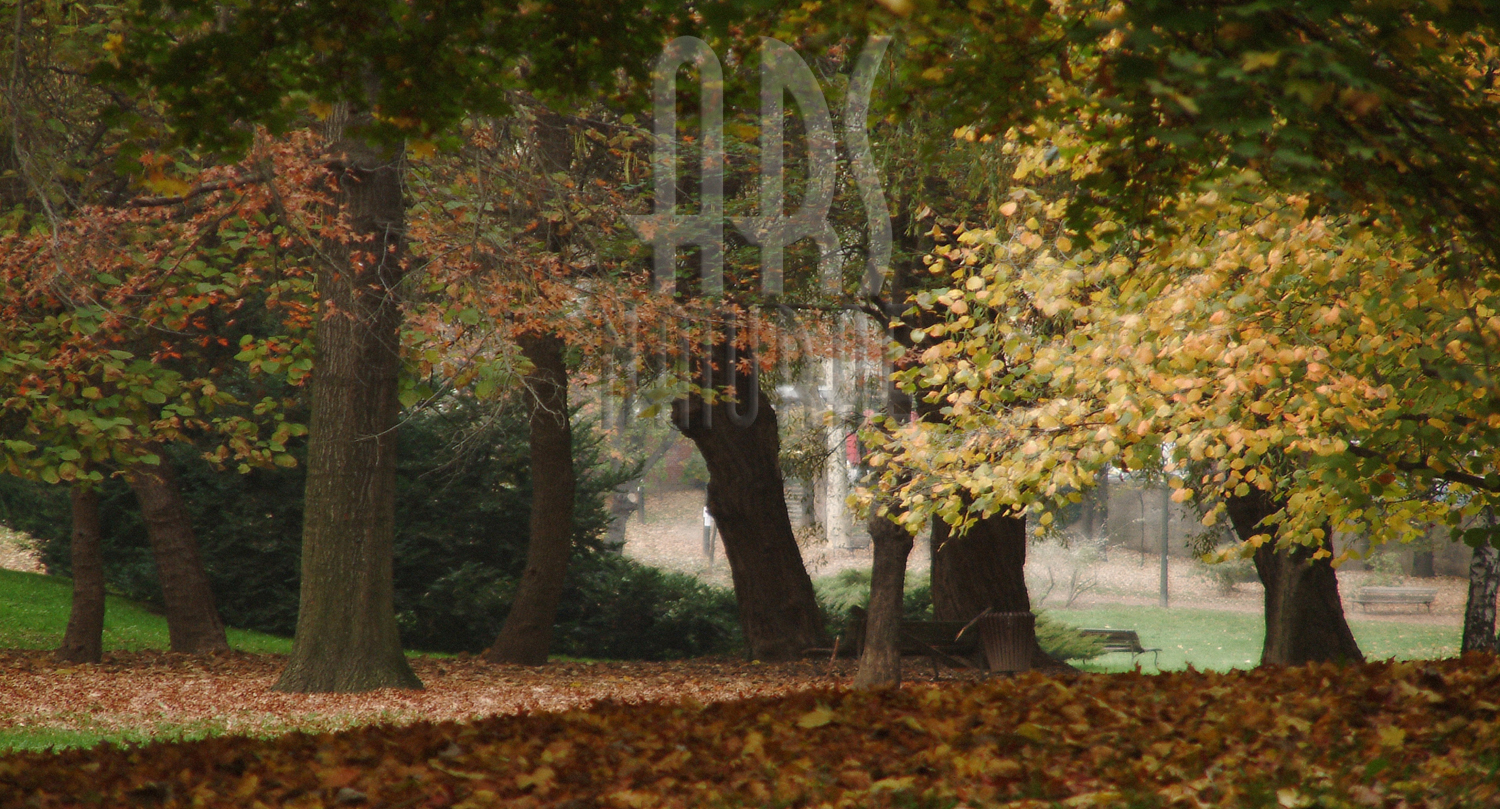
(725, 733)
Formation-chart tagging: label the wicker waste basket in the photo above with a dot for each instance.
(1008, 639)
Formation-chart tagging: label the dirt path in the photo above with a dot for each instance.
(18, 552)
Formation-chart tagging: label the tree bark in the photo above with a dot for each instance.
(778, 610)
(193, 623)
(880, 662)
(983, 569)
(83, 642)
(526, 636)
(621, 507)
(347, 639)
(1479, 612)
(1422, 565)
(1304, 615)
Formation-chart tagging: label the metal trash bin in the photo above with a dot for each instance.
(1009, 638)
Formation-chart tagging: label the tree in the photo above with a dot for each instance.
(83, 639)
(193, 622)
(527, 634)
(346, 628)
(1479, 609)
(1381, 110)
(124, 262)
(734, 427)
(106, 359)
(395, 74)
(1304, 616)
(1484, 583)
(1044, 382)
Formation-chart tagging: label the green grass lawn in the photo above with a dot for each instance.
(1209, 639)
(34, 615)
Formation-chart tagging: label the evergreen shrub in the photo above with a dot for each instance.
(462, 522)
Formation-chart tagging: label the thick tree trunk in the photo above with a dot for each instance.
(880, 662)
(983, 569)
(526, 636)
(1479, 613)
(83, 642)
(778, 610)
(347, 638)
(1304, 614)
(193, 623)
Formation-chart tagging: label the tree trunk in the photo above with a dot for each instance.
(193, 623)
(526, 636)
(778, 611)
(983, 569)
(1479, 613)
(880, 662)
(84, 640)
(347, 638)
(1422, 565)
(621, 507)
(1304, 614)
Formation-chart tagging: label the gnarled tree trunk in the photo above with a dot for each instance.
(1479, 612)
(193, 623)
(1304, 615)
(880, 662)
(778, 610)
(347, 638)
(526, 636)
(83, 642)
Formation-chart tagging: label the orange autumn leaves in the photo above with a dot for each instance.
(1385, 734)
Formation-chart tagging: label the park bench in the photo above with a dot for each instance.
(1420, 596)
(937, 640)
(1123, 640)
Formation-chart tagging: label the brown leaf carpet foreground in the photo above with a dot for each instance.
(1383, 734)
(232, 692)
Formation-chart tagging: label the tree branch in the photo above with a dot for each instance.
(1465, 478)
(196, 191)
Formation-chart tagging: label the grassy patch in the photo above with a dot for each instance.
(1220, 641)
(34, 615)
(57, 739)
(88, 735)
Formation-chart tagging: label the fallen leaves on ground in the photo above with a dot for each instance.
(232, 692)
(1423, 733)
